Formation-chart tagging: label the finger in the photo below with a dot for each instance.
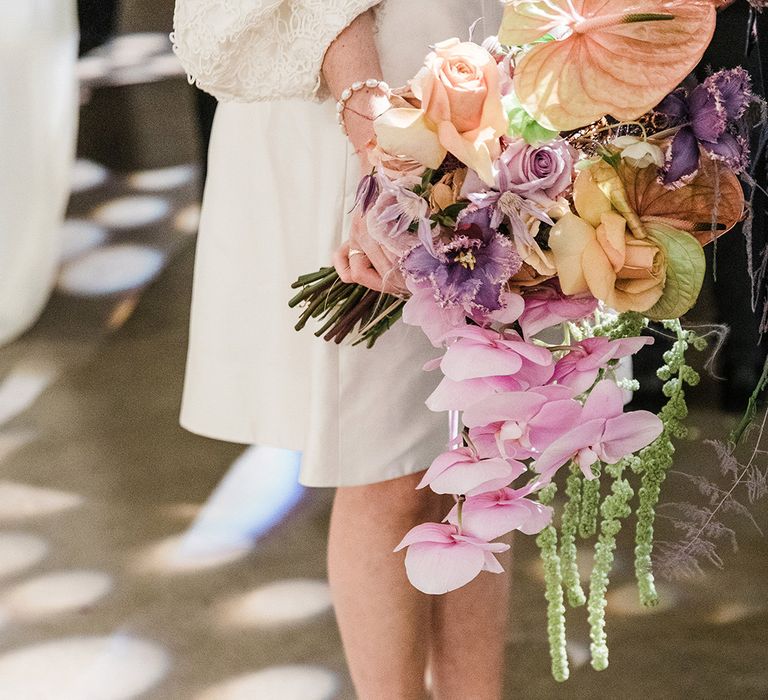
(363, 273)
(341, 263)
(376, 254)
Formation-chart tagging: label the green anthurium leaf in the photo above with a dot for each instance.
(523, 125)
(686, 267)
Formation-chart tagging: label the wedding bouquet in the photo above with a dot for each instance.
(546, 194)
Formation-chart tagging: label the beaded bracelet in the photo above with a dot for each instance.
(341, 105)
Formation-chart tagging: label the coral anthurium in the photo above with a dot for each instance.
(575, 79)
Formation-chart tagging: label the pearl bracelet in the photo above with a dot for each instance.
(341, 105)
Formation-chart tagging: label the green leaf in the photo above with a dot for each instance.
(523, 125)
(686, 267)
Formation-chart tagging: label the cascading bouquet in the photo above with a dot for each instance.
(547, 194)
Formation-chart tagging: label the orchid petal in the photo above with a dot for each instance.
(628, 433)
(604, 401)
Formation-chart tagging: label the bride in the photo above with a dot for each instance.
(281, 184)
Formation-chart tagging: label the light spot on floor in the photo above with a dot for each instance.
(277, 604)
(132, 75)
(114, 268)
(165, 66)
(291, 682)
(585, 557)
(182, 554)
(258, 491)
(188, 220)
(22, 386)
(20, 501)
(87, 175)
(180, 511)
(54, 593)
(578, 654)
(20, 551)
(162, 178)
(122, 311)
(624, 600)
(129, 48)
(11, 441)
(83, 668)
(78, 236)
(736, 611)
(131, 211)
(93, 68)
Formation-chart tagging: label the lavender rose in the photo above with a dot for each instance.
(539, 173)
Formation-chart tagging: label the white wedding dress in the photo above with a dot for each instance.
(38, 129)
(280, 185)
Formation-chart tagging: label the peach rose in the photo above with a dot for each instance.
(460, 113)
(627, 273)
(448, 190)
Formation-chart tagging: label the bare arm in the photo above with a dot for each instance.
(350, 58)
(353, 57)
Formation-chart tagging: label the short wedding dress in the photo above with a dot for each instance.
(280, 186)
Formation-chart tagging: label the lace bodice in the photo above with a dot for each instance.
(250, 50)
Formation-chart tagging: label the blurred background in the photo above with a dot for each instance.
(140, 561)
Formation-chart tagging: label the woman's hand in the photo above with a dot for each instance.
(363, 261)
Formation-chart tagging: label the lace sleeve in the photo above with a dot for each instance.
(250, 50)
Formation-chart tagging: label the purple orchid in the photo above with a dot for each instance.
(469, 269)
(367, 193)
(708, 117)
(392, 212)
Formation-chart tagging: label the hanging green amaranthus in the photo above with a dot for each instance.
(553, 592)
(656, 459)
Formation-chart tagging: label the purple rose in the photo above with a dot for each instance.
(536, 172)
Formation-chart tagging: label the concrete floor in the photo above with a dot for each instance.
(140, 561)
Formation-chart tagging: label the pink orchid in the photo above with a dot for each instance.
(511, 309)
(481, 362)
(547, 306)
(492, 515)
(580, 367)
(606, 433)
(521, 425)
(423, 309)
(481, 352)
(441, 559)
(461, 471)
(457, 396)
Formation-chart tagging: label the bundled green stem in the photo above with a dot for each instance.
(344, 309)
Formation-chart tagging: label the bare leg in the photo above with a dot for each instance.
(468, 637)
(384, 621)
